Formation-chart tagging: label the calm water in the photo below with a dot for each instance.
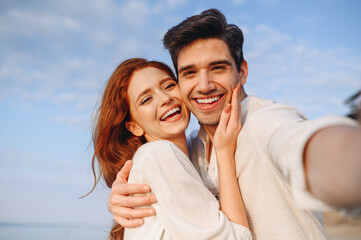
(10, 231)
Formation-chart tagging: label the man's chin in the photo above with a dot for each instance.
(208, 120)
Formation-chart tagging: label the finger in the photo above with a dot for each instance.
(129, 223)
(124, 172)
(223, 121)
(233, 119)
(132, 201)
(239, 115)
(235, 96)
(125, 188)
(132, 213)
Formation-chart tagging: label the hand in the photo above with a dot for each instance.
(121, 205)
(225, 137)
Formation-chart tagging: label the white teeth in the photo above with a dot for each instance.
(207, 100)
(170, 112)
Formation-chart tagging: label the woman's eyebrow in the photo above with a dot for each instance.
(147, 90)
(165, 79)
(143, 93)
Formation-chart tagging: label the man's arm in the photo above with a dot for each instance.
(332, 161)
(327, 148)
(121, 205)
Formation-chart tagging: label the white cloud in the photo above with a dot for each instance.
(308, 20)
(176, 3)
(136, 12)
(238, 1)
(67, 97)
(70, 120)
(293, 71)
(60, 56)
(63, 49)
(268, 1)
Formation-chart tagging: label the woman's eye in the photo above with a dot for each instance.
(145, 100)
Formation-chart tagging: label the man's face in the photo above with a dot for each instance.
(207, 76)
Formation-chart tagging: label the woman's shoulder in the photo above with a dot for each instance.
(153, 146)
(154, 150)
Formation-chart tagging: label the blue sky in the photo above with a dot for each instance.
(56, 56)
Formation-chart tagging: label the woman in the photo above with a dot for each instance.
(143, 117)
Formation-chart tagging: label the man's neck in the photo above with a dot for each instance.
(210, 130)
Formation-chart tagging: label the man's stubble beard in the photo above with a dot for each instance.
(208, 119)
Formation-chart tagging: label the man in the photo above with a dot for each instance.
(286, 165)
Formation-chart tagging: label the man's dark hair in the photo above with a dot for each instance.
(209, 24)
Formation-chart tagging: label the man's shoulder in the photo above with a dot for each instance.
(256, 105)
(253, 103)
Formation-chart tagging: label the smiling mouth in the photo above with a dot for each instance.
(208, 100)
(172, 113)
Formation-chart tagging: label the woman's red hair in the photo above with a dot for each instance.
(113, 143)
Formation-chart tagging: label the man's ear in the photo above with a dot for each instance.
(134, 128)
(243, 74)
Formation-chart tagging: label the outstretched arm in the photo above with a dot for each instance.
(121, 205)
(332, 161)
(320, 158)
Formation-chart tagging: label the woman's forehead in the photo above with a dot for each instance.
(146, 79)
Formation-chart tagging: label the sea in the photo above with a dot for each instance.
(46, 231)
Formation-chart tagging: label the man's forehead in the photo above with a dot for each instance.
(203, 51)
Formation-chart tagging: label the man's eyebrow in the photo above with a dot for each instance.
(226, 62)
(182, 69)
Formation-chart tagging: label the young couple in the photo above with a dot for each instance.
(284, 165)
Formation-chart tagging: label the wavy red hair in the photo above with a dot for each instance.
(113, 143)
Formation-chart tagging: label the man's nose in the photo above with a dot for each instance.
(205, 83)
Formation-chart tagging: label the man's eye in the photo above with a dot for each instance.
(218, 68)
(188, 73)
(170, 85)
(145, 100)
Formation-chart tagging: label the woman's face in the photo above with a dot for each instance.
(157, 109)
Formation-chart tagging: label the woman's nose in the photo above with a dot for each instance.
(165, 98)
